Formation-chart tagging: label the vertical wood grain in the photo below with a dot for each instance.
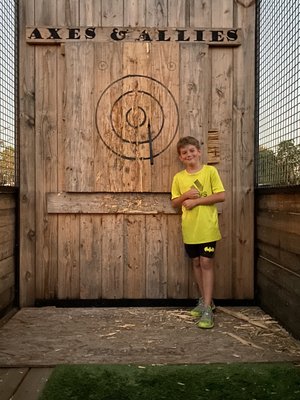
(112, 256)
(157, 13)
(69, 258)
(79, 117)
(135, 257)
(90, 256)
(46, 173)
(156, 257)
(135, 13)
(243, 150)
(221, 119)
(178, 265)
(112, 13)
(27, 227)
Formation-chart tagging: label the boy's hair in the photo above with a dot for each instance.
(187, 140)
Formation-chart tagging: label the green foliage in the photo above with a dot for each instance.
(174, 382)
(7, 165)
(281, 168)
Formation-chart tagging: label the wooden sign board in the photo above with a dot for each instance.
(210, 36)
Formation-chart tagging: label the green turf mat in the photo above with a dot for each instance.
(251, 381)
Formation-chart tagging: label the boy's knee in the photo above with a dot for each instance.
(207, 263)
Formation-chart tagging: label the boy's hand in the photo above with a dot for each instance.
(190, 203)
(192, 194)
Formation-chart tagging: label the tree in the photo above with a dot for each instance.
(7, 166)
(266, 167)
(281, 168)
(288, 162)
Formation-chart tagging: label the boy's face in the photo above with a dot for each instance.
(189, 154)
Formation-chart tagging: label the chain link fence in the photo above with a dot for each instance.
(8, 93)
(278, 89)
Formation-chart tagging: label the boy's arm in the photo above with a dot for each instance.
(190, 194)
(204, 201)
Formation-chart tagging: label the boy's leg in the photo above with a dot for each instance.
(207, 275)
(198, 275)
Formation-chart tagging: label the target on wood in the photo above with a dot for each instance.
(137, 117)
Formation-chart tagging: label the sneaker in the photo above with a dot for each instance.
(207, 319)
(198, 310)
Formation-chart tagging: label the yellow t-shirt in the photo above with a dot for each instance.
(199, 225)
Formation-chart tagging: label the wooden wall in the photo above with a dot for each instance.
(278, 257)
(7, 250)
(76, 241)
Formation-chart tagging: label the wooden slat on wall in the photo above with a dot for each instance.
(156, 257)
(46, 173)
(178, 265)
(194, 83)
(134, 12)
(156, 13)
(112, 254)
(69, 257)
(107, 68)
(91, 234)
(166, 70)
(221, 120)
(7, 249)
(243, 156)
(27, 165)
(79, 117)
(278, 265)
(135, 257)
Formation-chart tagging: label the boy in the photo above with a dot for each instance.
(196, 189)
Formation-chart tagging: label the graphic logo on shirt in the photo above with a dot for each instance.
(199, 187)
(209, 249)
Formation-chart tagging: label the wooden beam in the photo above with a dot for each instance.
(109, 203)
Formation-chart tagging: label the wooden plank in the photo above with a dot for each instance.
(68, 256)
(135, 12)
(67, 12)
(279, 255)
(136, 111)
(7, 217)
(109, 203)
(33, 384)
(156, 257)
(79, 146)
(281, 202)
(7, 233)
(243, 155)
(178, 265)
(7, 248)
(7, 201)
(7, 299)
(112, 13)
(10, 379)
(45, 12)
(27, 159)
(194, 93)
(221, 120)
(135, 257)
(90, 13)
(278, 238)
(46, 175)
(107, 70)
(200, 13)
(279, 294)
(286, 222)
(166, 70)
(178, 13)
(156, 13)
(112, 257)
(90, 256)
(7, 273)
